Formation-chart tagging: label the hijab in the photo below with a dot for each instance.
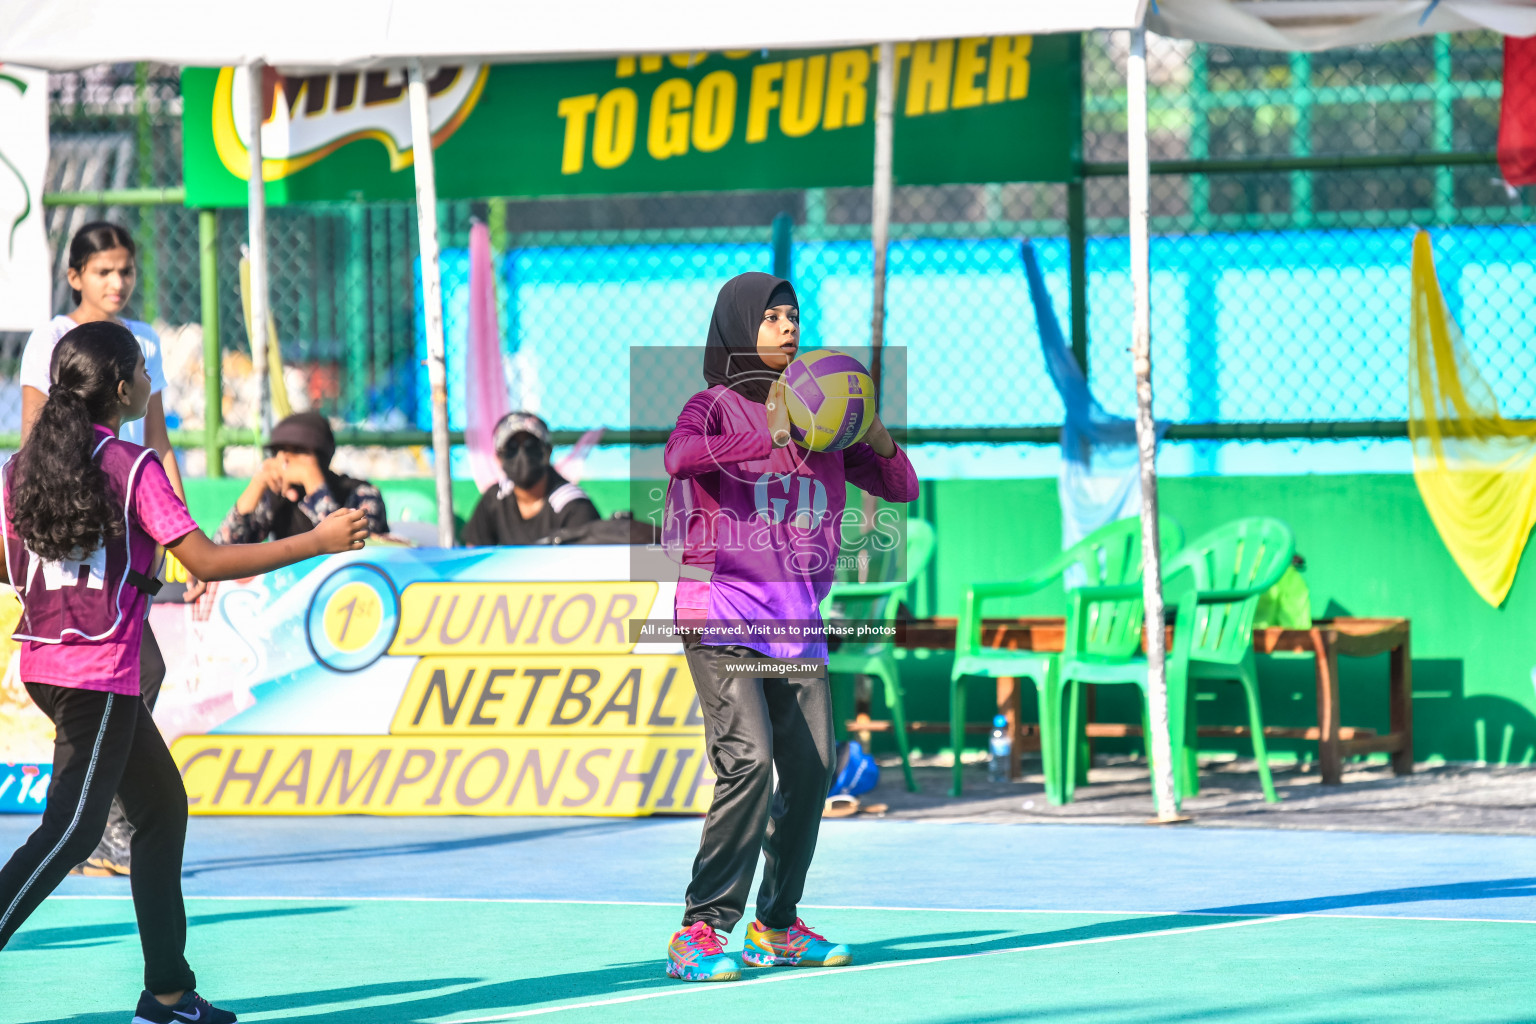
(730, 353)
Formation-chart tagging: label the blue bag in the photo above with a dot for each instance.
(857, 772)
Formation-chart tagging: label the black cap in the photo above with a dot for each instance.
(307, 430)
(514, 423)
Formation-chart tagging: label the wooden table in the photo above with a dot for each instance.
(1326, 641)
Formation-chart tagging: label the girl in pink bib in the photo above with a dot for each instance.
(83, 517)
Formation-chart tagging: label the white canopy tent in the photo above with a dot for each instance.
(1326, 24)
(303, 35)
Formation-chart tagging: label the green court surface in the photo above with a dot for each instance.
(357, 920)
(368, 961)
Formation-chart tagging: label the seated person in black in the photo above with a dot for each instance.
(295, 488)
(534, 502)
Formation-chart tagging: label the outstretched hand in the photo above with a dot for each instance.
(343, 530)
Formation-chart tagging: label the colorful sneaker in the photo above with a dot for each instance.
(795, 946)
(112, 855)
(90, 870)
(191, 1009)
(697, 953)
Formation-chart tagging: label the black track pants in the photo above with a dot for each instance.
(753, 724)
(107, 744)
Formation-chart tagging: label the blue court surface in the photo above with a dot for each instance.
(351, 920)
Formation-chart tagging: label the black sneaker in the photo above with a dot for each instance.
(192, 1009)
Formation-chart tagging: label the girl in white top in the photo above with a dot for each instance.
(102, 272)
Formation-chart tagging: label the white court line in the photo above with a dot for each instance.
(685, 988)
(403, 899)
(823, 906)
(1177, 913)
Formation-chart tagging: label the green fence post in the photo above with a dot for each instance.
(329, 268)
(816, 214)
(1445, 129)
(992, 204)
(1301, 138)
(144, 155)
(359, 357)
(783, 245)
(926, 596)
(213, 366)
(1197, 102)
(501, 248)
(1077, 228)
(1077, 262)
(496, 224)
(394, 329)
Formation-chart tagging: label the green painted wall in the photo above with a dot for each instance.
(1370, 548)
(210, 500)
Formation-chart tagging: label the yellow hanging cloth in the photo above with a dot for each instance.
(1475, 469)
(281, 407)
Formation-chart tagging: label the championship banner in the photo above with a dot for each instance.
(1001, 108)
(26, 735)
(26, 293)
(399, 681)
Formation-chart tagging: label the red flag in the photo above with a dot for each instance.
(1517, 118)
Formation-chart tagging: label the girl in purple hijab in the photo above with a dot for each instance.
(757, 522)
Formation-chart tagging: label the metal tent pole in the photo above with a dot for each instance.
(1160, 746)
(880, 223)
(213, 366)
(880, 237)
(431, 296)
(257, 213)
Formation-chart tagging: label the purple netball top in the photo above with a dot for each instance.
(82, 621)
(757, 528)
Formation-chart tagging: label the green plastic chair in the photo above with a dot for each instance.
(1214, 584)
(878, 601)
(1110, 555)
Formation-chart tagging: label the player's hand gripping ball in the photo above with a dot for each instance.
(831, 400)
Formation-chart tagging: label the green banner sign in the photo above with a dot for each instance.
(1003, 108)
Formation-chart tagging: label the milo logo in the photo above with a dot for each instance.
(307, 117)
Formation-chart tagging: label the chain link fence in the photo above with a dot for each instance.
(1281, 293)
(1285, 191)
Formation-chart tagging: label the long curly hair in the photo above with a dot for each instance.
(60, 504)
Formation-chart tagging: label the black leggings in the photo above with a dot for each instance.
(151, 675)
(151, 667)
(107, 744)
(752, 725)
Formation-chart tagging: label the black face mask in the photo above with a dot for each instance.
(525, 466)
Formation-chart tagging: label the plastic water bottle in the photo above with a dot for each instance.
(1001, 747)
